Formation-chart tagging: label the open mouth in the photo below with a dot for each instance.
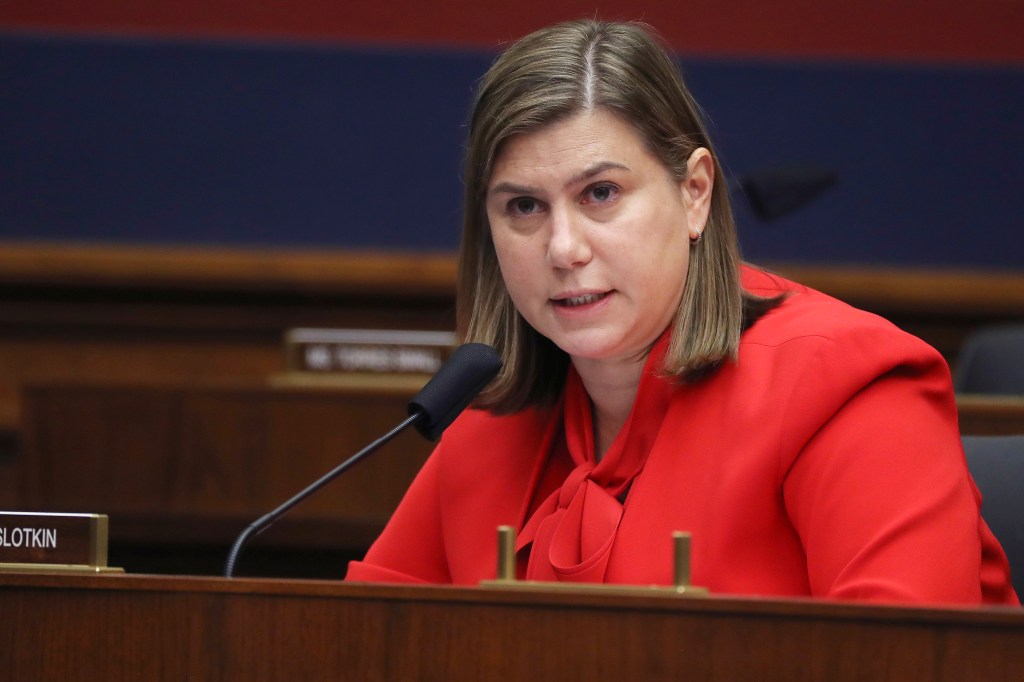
(575, 301)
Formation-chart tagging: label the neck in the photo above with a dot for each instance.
(612, 388)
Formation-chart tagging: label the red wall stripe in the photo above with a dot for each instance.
(949, 31)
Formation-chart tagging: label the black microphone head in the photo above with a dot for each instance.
(446, 395)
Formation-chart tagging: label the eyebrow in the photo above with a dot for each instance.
(596, 169)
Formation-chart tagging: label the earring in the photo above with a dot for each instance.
(694, 241)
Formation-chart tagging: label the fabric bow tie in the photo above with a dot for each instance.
(573, 530)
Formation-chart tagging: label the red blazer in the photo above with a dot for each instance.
(825, 462)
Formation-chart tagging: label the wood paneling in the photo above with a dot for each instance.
(990, 415)
(138, 627)
(204, 269)
(193, 464)
(126, 313)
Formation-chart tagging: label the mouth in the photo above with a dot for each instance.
(576, 301)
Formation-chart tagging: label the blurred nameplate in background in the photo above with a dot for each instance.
(366, 351)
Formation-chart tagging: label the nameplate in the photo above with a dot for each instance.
(62, 542)
(366, 351)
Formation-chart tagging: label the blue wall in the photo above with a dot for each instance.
(186, 142)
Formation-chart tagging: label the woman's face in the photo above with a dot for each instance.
(592, 233)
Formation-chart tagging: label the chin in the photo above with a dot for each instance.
(590, 349)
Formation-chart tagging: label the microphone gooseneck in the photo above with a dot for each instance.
(471, 367)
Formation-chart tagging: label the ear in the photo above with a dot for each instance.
(696, 189)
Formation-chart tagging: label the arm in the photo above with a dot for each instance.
(410, 549)
(880, 494)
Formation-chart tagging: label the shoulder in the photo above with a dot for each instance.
(809, 357)
(479, 441)
(812, 352)
(475, 425)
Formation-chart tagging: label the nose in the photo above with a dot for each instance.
(568, 246)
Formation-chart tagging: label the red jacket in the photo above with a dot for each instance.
(825, 462)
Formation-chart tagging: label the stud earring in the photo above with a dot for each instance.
(696, 240)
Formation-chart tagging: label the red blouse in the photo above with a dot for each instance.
(825, 462)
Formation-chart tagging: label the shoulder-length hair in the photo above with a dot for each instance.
(548, 76)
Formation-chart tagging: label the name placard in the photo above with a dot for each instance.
(366, 351)
(37, 541)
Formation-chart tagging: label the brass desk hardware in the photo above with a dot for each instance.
(506, 573)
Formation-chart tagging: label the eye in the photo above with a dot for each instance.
(522, 206)
(601, 193)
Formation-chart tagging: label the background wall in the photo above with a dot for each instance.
(340, 124)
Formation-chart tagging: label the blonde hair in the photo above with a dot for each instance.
(551, 75)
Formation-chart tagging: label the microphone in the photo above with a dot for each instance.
(471, 367)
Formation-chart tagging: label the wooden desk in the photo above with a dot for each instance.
(149, 628)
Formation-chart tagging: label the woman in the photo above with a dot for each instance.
(652, 384)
